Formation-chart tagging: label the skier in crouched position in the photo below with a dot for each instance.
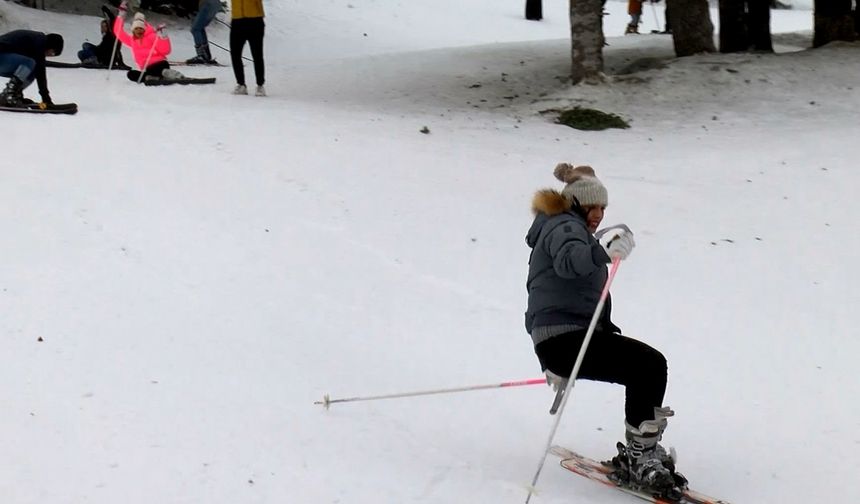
(149, 46)
(22, 59)
(567, 273)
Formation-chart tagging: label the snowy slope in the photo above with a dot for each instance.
(202, 267)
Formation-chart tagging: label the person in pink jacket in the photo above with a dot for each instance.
(148, 45)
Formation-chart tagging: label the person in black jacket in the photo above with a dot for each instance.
(22, 59)
(100, 55)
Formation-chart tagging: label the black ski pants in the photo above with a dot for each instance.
(154, 69)
(611, 358)
(250, 30)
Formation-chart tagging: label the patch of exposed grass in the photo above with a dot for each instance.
(590, 119)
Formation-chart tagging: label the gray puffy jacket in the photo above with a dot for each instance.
(567, 267)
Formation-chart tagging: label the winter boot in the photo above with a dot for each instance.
(13, 94)
(207, 55)
(644, 464)
(200, 59)
(204, 56)
(632, 29)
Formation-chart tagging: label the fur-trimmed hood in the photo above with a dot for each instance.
(550, 202)
(547, 204)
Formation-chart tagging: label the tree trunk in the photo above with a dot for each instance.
(833, 21)
(692, 29)
(733, 26)
(758, 25)
(857, 19)
(586, 33)
(534, 10)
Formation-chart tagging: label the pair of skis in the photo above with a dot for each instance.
(601, 471)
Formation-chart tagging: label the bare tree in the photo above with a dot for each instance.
(586, 33)
(833, 21)
(692, 29)
(745, 25)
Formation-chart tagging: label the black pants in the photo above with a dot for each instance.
(612, 358)
(153, 69)
(248, 30)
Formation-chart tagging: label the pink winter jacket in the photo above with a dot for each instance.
(140, 47)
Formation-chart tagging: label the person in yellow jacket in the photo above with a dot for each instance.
(247, 26)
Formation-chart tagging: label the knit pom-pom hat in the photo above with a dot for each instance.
(583, 186)
(139, 21)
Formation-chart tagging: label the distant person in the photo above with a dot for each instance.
(634, 8)
(149, 46)
(205, 14)
(100, 55)
(247, 26)
(566, 277)
(22, 59)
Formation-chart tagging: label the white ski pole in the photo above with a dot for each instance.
(148, 56)
(579, 358)
(120, 14)
(112, 55)
(327, 401)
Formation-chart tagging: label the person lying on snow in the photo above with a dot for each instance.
(22, 59)
(149, 46)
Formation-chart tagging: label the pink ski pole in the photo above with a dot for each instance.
(327, 401)
(579, 358)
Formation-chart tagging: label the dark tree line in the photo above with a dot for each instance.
(744, 26)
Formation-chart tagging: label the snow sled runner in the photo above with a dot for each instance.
(185, 81)
(600, 472)
(36, 108)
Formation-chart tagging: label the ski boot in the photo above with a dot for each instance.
(13, 94)
(643, 464)
(204, 56)
(171, 74)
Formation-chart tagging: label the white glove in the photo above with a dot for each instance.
(616, 240)
(555, 381)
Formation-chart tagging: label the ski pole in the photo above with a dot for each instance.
(579, 358)
(120, 15)
(228, 50)
(327, 401)
(148, 56)
(228, 25)
(112, 55)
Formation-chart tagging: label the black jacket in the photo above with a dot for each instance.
(31, 44)
(108, 43)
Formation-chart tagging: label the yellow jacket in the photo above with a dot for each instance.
(246, 9)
